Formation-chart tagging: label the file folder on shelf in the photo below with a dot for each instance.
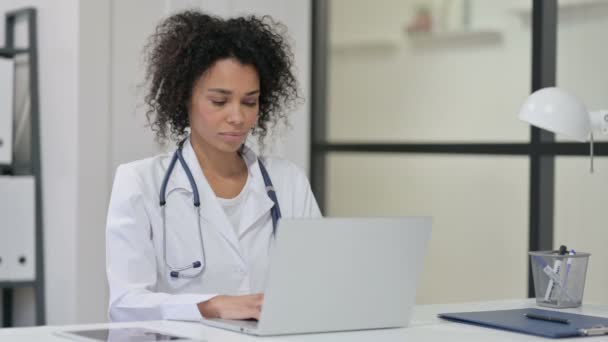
(6, 110)
(17, 228)
(516, 321)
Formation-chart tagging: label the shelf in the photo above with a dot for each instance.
(466, 37)
(365, 44)
(9, 53)
(462, 37)
(4, 284)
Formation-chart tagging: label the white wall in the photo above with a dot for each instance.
(132, 23)
(58, 65)
(93, 155)
(92, 119)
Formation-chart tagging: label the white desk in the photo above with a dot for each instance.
(425, 327)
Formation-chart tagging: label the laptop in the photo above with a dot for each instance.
(338, 274)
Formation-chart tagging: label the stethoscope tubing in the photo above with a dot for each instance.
(176, 272)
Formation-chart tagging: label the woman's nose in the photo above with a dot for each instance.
(236, 114)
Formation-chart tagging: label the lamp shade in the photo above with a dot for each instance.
(557, 111)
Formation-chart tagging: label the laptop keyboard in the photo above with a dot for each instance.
(246, 323)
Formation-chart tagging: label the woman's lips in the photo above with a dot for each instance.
(232, 136)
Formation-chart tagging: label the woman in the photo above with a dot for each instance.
(189, 233)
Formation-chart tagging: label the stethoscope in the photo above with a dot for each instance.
(275, 212)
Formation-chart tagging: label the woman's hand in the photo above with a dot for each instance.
(232, 307)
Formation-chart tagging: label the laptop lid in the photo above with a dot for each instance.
(334, 274)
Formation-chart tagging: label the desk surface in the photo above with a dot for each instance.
(425, 326)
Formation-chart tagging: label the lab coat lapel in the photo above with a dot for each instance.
(212, 214)
(258, 203)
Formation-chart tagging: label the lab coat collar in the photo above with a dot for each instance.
(257, 204)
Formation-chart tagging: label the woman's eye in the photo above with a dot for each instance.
(218, 102)
(250, 103)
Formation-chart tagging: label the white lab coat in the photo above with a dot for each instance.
(140, 285)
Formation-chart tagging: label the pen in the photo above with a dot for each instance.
(547, 269)
(547, 318)
(568, 265)
(556, 268)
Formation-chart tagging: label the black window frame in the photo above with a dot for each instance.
(541, 149)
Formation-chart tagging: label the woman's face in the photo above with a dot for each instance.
(224, 105)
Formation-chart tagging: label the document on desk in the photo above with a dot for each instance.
(545, 323)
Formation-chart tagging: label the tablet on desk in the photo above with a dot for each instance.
(121, 334)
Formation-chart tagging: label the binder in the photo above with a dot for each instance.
(6, 110)
(17, 239)
(516, 321)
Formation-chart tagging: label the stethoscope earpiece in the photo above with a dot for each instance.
(175, 274)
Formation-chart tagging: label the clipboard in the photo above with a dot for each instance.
(516, 321)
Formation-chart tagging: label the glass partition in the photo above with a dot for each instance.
(479, 208)
(428, 71)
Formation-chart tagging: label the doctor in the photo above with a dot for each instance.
(189, 232)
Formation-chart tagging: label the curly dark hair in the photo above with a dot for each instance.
(187, 44)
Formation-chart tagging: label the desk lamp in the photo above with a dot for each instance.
(558, 111)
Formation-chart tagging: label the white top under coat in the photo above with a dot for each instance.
(140, 285)
(233, 207)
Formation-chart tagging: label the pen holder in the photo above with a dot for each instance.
(559, 280)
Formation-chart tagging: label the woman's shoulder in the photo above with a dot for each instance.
(286, 175)
(279, 165)
(143, 169)
(293, 188)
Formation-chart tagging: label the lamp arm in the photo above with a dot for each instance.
(599, 121)
(599, 124)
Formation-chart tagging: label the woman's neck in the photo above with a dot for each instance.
(216, 162)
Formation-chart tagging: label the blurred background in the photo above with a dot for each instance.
(411, 109)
